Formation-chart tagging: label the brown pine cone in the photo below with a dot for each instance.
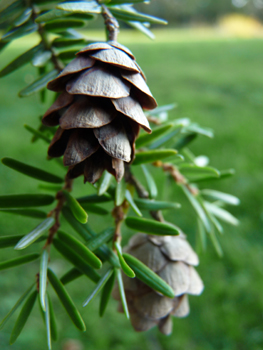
(172, 258)
(99, 111)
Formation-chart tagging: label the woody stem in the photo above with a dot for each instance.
(176, 175)
(58, 65)
(57, 210)
(112, 25)
(142, 193)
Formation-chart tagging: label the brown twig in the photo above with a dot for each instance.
(58, 65)
(111, 24)
(131, 179)
(37, 281)
(176, 175)
(118, 215)
(141, 191)
(172, 170)
(57, 210)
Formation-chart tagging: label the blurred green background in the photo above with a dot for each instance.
(216, 80)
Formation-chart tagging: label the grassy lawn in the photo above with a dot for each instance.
(217, 83)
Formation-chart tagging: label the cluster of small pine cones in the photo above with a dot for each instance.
(99, 111)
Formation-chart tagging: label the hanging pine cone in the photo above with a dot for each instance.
(172, 258)
(99, 111)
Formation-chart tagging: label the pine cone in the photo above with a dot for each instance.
(99, 111)
(172, 258)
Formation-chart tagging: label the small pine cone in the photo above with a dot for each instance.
(99, 111)
(172, 258)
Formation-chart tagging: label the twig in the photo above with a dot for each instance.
(142, 193)
(131, 179)
(58, 65)
(118, 215)
(111, 24)
(57, 210)
(176, 175)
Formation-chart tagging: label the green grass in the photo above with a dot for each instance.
(217, 84)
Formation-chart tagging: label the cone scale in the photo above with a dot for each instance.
(99, 111)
